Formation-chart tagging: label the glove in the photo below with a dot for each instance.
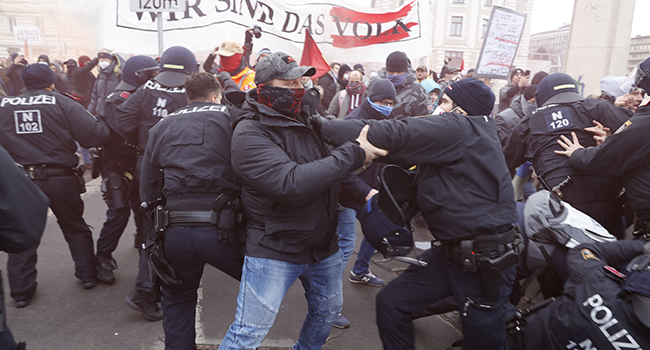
(227, 84)
(316, 123)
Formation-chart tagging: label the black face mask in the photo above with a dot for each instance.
(283, 100)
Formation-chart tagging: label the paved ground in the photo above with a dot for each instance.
(64, 316)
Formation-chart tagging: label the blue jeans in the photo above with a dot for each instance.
(264, 283)
(347, 230)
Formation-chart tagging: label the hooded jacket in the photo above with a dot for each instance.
(290, 182)
(412, 99)
(107, 80)
(510, 117)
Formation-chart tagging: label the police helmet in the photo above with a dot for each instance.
(642, 79)
(557, 88)
(176, 64)
(385, 218)
(638, 284)
(135, 71)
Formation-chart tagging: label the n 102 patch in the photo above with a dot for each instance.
(28, 122)
(558, 119)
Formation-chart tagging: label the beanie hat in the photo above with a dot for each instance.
(611, 86)
(103, 54)
(37, 76)
(557, 88)
(359, 67)
(382, 89)
(83, 60)
(538, 77)
(397, 62)
(515, 71)
(530, 91)
(472, 95)
(344, 69)
(47, 59)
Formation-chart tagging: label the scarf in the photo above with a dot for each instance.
(283, 100)
(396, 79)
(231, 64)
(385, 110)
(355, 91)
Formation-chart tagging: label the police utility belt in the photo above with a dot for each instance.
(43, 172)
(225, 213)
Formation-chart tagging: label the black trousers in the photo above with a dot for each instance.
(419, 287)
(66, 203)
(188, 249)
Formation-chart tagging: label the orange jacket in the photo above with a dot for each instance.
(245, 79)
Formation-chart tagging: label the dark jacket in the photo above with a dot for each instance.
(506, 94)
(627, 152)
(511, 116)
(535, 137)
(412, 99)
(61, 83)
(290, 182)
(328, 83)
(144, 108)
(105, 83)
(464, 187)
(83, 82)
(41, 127)
(592, 312)
(116, 149)
(17, 85)
(192, 145)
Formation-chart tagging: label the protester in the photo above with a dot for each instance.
(516, 84)
(450, 75)
(328, 82)
(433, 89)
(18, 62)
(343, 76)
(345, 101)
(231, 56)
(83, 79)
(522, 105)
(422, 73)
(289, 197)
(61, 84)
(110, 74)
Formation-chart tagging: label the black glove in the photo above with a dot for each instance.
(227, 84)
(316, 122)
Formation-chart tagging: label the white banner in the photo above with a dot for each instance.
(500, 44)
(30, 34)
(344, 31)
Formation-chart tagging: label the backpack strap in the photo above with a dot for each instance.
(342, 96)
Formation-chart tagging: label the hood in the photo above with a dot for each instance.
(115, 67)
(611, 86)
(527, 107)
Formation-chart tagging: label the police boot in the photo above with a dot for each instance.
(142, 301)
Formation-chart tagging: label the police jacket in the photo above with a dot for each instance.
(41, 126)
(116, 147)
(627, 152)
(192, 146)
(290, 182)
(592, 312)
(535, 138)
(144, 108)
(106, 81)
(464, 187)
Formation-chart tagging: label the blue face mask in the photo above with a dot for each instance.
(384, 110)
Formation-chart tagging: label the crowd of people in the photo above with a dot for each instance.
(262, 170)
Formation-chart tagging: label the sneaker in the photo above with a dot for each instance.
(341, 322)
(367, 278)
(141, 301)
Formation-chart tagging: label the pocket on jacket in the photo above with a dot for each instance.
(290, 237)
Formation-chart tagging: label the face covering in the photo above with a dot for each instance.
(384, 110)
(438, 110)
(230, 64)
(353, 88)
(104, 64)
(396, 79)
(283, 100)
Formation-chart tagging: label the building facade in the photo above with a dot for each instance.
(550, 45)
(639, 51)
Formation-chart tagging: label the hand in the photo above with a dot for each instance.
(624, 101)
(216, 49)
(372, 152)
(568, 145)
(600, 132)
(523, 81)
(371, 194)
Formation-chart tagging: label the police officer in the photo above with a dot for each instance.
(561, 111)
(151, 102)
(192, 147)
(465, 195)
(626, 153)
(600, 308)
(118, 159)
(39, 129)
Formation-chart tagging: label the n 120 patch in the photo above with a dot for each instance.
(28, 122)
(558, 119)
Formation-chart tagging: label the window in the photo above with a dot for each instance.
(12, 24)
(488, 3)
(459, 1)
(456, 26)
(485, 26)
(456, 58)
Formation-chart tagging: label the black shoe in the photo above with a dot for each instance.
(20, 346)
(24, 303)
(89, 284)
(105, 275)
(137, 240)
(141, 301)
(107, 263)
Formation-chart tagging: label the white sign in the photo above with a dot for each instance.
(343, 30)
(500, 44)
(30, 34)
(158, 5)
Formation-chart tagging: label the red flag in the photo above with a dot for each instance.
(311, 56)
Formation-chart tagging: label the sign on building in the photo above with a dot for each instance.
(500, 44)
(29, 34)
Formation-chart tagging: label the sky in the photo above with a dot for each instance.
(551, 14)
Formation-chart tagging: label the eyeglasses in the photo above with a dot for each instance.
(386, 103)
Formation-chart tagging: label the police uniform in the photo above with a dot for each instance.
(464, 193)
(39, 129)
(535, 138)
(192, 146)
(593, 312)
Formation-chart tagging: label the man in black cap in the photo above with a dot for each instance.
(516, 85)
(472, 215)
(289, 197)
(412, 99)
(151, 102)
(39, 129)
(563, 110)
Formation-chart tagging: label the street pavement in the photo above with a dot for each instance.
(64, 316)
